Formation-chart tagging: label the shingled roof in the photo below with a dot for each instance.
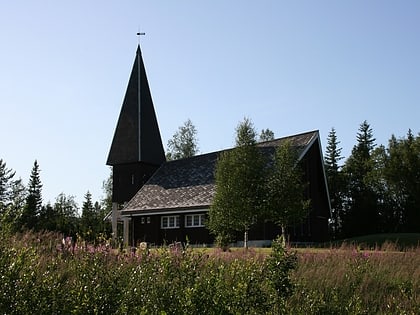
(189, 183)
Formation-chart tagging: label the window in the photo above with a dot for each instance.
(195, 220)
(170, 222)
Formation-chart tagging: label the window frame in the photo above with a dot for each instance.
(167, 226)
(201, 220)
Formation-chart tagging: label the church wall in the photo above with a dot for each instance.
(153, 233)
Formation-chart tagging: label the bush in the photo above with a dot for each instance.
(40, 276)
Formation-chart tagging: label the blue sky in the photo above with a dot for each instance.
(291, 66)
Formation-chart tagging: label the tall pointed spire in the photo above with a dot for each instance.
(137, 136)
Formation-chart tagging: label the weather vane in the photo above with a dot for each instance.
(139, 34)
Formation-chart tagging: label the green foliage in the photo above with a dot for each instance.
(21, 208)
(6, 177)
(30, 212)
(251, 188)
(381, 186)
(335, 182)
(402, 177)
(362, 200)
(280, 263)
(38, 276)
(266, 135)
(38, 279)
(239, 186)
(245, 134)
(285, 189)
(60, 217)
(184, 142)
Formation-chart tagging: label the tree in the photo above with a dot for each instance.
(402, 177)
(285, 199)
(30, 214)
(16, 205)
(6, 177)
(106, 202)
(48, 218)
(89, 219)
(335, 181)
(361, 200)
(266, 135)
(105, 206)
(184, 142)
(66, 209)
(239, 187)
(60, 217)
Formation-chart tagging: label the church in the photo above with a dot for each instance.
(161, 202)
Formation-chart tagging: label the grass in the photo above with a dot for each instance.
(343, 278)
(398, 241)
(347, 280)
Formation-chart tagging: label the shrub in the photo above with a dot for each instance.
(40, 276)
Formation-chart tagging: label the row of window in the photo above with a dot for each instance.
(191, 220)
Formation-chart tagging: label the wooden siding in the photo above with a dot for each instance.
(127, 179)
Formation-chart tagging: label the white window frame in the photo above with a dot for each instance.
(201, 220)
(168, 218)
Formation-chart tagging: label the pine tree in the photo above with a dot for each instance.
(32, 208)
(335, 181)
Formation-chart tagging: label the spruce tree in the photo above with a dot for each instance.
(32, 208)
(361, 200)
(335, 181)
(89, 219)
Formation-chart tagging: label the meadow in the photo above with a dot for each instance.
(40, 275)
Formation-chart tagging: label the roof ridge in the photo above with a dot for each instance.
(260, 144)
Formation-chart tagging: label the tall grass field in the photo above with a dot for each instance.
(40, 275)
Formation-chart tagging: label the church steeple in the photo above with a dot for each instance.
(137, 136)
(136, 150)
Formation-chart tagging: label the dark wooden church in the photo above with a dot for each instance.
(167, 201)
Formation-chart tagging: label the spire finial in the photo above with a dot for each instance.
(139, 34)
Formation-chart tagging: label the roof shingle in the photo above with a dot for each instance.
(189, 183)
